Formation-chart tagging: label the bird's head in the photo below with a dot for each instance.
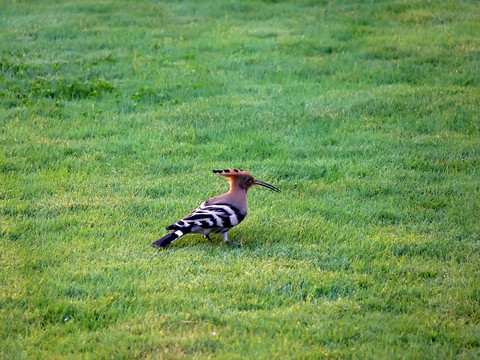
(243, 179)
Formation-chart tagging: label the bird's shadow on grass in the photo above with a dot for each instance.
(203, 243)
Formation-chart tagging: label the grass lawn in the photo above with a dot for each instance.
(364, 113)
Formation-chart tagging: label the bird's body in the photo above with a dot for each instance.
(218, 214)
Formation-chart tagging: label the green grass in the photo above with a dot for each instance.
(365, 114)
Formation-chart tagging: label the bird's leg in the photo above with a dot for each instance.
(225, 238)
(208, 237)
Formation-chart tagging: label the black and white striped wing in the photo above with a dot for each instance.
(210, 218)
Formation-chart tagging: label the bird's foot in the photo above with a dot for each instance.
(225, 238)
(231, 243)
(208, 237)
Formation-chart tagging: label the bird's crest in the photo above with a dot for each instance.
(231, 172)
(242, 179)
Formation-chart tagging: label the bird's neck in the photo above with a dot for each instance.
(237, 194)
(237, 191)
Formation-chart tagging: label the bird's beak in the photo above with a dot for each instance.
(267, 185)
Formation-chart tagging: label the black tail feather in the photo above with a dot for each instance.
(169, 238)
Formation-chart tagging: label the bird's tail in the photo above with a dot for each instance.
(169, 238)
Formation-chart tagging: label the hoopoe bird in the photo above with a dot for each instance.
(218, 214)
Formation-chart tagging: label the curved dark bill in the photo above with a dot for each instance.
(267, 185)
